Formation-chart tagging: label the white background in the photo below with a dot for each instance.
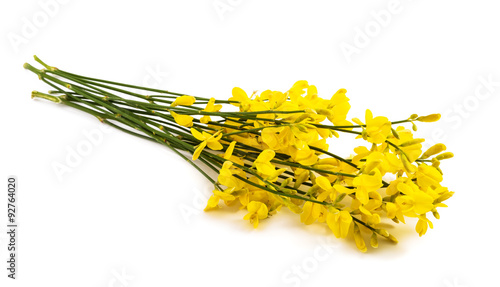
(130, 212)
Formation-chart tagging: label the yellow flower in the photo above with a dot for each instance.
(413, 151)
(360, 242)
(226, 176)
(366, 183)
(339, 222)
(274, 98)
(329, 190)
(302, 154)
(241, 97)
(421, 227)
(371, 206)
(210, 140)
(393, 186)
(361, 153)
(183, 101)
(263, 162)
(414, 199)
(428, 176)
(384, 162)
(265, 167)
(339, 106)
(394, 210)
(183, 120)
(377, 129)
(213, 201)
(256, 210)
(211, 107)
(297, 90)
(278, 138)
(313, 211)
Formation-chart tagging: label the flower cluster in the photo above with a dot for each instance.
(272, 152)
(284, 150)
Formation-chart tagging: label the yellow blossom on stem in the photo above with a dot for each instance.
(274, 152)
(414, 199)
(183, 101)
(229, 152)
(339, 222)
(377, 129)
(360, 242)
(339, 107)
(256, 211)
(428, 176)
(226, 176)
(422, 225)
(302, 153)
(313, 211)
(210, 140)
(183, 120)
(213, 201)
(429, 118)
(435, 149)
(366, 183)
(241, 97)
(211, 107)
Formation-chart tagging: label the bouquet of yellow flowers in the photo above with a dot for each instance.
(270, 151)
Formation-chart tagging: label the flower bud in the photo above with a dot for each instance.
(407, 165)
(392, 238)
(435, 149)
(286, 182)
(412, 142)
(374, 240)
(413, 116)
(360, 243)
(395, 133)
(445, 155)
(370, 165)
(324, 112)
(383, 232)
(430, 118)
(413, 126)
(340, 197)
(435, 213)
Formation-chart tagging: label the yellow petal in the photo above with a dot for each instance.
(198, 150)
(214, 145)
(265, 156)
(205, 119)
(362, 196)
(197, 134)
(262, 212)
(183, 120)
(368, 115)
(224, 196)
(213, 202)
(184, 101)
(229, 151)
(360, 242)
(333, 224)
(323, 182)
(342, 189)
(391, 209)
(345, 223)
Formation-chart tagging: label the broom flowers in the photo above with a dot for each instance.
(272, 152)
